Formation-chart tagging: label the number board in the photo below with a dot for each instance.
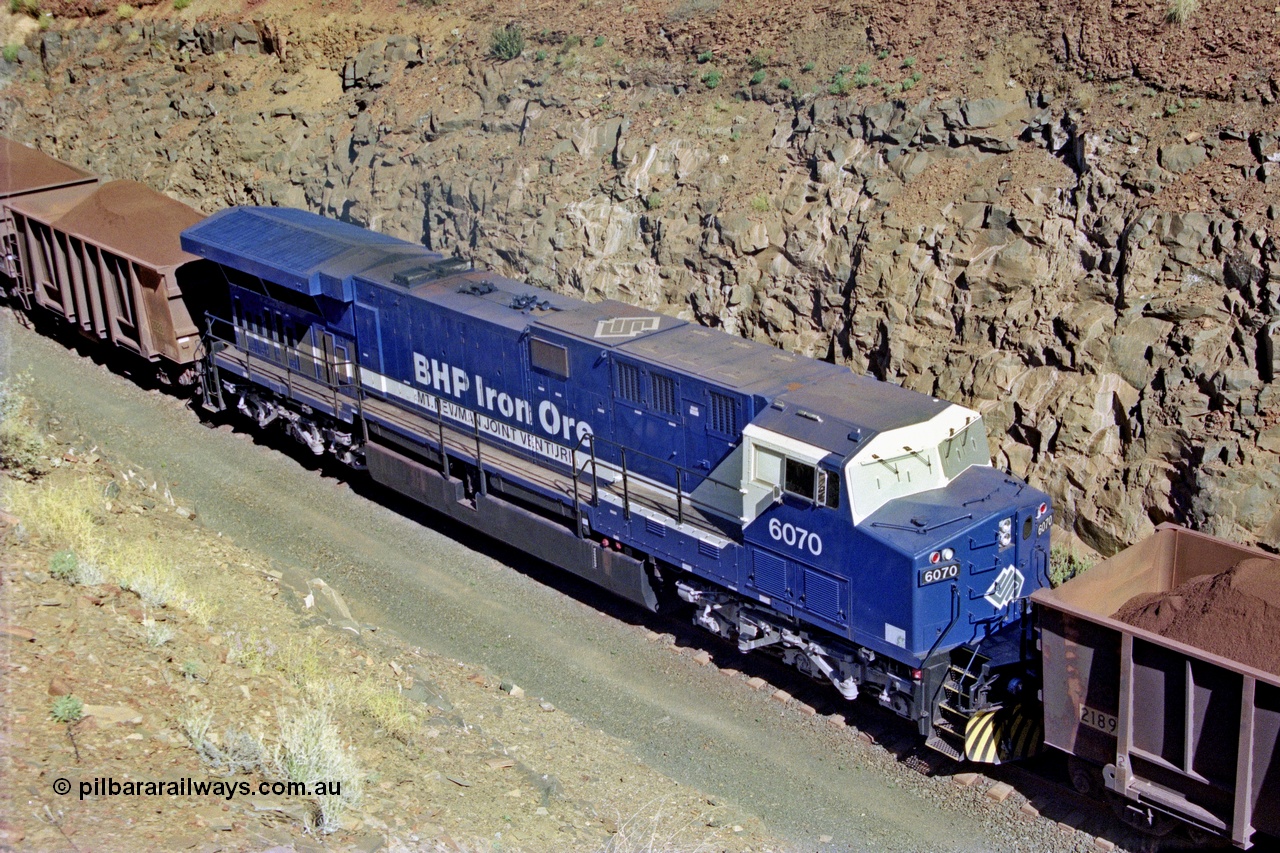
(938, 574)
(1100, 720)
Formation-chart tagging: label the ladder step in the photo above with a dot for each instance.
(937, 743)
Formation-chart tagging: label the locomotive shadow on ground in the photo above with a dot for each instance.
(1043, 781)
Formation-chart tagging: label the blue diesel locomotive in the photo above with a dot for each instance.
(854, 528)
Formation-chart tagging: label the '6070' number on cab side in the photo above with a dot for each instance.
(796, 537)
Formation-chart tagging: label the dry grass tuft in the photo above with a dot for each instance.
(311, 751)
(656, 828)
(22, 447)
(71, 516)
(66, 516)
(1181, 11)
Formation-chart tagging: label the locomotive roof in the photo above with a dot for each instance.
(126, 217)
(820, 403)
(728, 360)
(843, 410)
(24, 169)
(304, 251)
(494, 298)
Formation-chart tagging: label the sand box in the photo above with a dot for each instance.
(1234, 614)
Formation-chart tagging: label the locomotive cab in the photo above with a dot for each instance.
(899, 536)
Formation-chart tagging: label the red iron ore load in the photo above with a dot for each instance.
(1234, 614)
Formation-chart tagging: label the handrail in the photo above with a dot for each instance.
(626, 492)
(333, 368)
(484, 488)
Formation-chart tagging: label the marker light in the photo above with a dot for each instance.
(1042, 510)
(935, 557)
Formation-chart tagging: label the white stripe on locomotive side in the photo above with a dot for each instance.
(460, 414)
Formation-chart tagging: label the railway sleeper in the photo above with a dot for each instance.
(848, 668)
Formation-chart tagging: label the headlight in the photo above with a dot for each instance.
(1006, 532)
(948, 554)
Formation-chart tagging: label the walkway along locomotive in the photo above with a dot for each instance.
(851, 526)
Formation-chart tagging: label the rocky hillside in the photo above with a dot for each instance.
(1063, 217)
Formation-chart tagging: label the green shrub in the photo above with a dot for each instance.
(807, 67)
(908, 62)
(760, 203)
(63, 565)
(839, 85)
(599, 42)
(758, 78)
(506, 42)
(25, 7)
(712, 78)
(653, 201)
(540, 55)
(1064, 565)
(784, 83)
(570, 42)
(66, 709)
(11, 52)
(179, 5)
(705, 57)
(756, 62)
(124, 11)
(864, 68)
(882, 55)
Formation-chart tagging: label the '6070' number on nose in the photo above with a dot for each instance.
(796, 537)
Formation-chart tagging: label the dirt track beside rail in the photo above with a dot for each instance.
(807, 778)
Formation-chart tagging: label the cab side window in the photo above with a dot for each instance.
(800, 479)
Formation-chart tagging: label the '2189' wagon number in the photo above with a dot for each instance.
(1100, 720)
(797, 537)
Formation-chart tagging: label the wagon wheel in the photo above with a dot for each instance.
(1086, 778)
